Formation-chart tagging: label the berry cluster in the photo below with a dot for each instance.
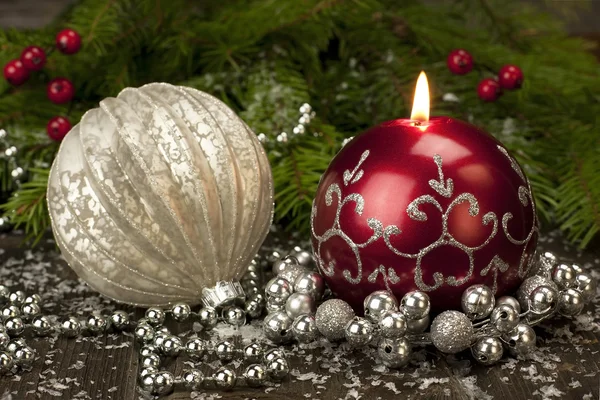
(59, 90)
(510, 77)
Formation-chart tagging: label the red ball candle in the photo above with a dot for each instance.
(435, 205)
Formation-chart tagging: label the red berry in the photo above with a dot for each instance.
(33, 58)
(489, 90)
(60, 90)
(57, 128)
(510, 77)
(68, 41)
(15, 72)
(460, 62)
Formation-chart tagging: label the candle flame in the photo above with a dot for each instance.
(420, 110)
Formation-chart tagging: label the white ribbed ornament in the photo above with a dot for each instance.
(159, 193)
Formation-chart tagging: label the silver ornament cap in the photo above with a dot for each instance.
(223, 293)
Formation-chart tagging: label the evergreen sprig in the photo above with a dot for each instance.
(354, 61)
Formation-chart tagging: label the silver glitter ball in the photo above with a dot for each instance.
(253, 308)
(163, 383)
(41, 325)
(155, 316)
(304, 328)
(4, 340)
(359, 332)
(17, 298)
(70, 326)
(277, 327)
(477, 301)
(520, 340)
(586, 285)
(292, 273)
(14, 326)
(119, 320)
(11, 311)
(192, 378)
(225, 350)
(504, 318)
(278, 369)
(224, 378)
(543, 300)
(195, 348)
(417, 325)
(29, 310)
(378, 303)
(151, 360)
(208, 318)
(97, 323)
(148, 349)
(298, 304)
(392, 325)
(487, 350)
(15, 344)
(24, 357)
(394, 353)
(278, 290)
(272, 354)
(255, 375)
(415, 305)
(304, 257)
(180, 312)
(564, 276)
(332, 317)
(144, 333)
(6, 363)
(147, 381)
(570, 303)
(528, 285)
(310, 283)
(34, 298)
(281, 265)
(234, 315)
(172, 345)
(253, 352)
(509, 301)
(451, 332)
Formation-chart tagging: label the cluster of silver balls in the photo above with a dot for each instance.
(306, 115)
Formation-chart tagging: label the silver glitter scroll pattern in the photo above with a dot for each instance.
(159, 193)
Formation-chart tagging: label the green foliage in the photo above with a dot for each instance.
(354, 61)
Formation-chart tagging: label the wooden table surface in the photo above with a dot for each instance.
(566, 364)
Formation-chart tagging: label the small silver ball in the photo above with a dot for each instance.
(417, 325)
(70, 326)
(305, 329)
(34, 298)
(255, 375)
(451, 332)
(292, 273)
(543, 299)
(392, 325)
(30, 310)
(159, 338)
(253, 352)
(147, 381)
(4, 340)
(148, 349)
(120, 320)
(41, 325)
(155, 316)
(193, 378)
(274, 306)
(144, 333)
(477, 301)
(278, 369)
(195, 348)
(304, 257)
(415, 305)
(359, 332)
(208, 318)
(234, 315)
(163, 383)
(147, 371)
(277, 327)
(510, 301)
(17, 298)
(564, 276)
(172, 345)
(6, 363)
(278, 290)
(4, 293)
(14, 326)
(225, 350)
(10, 311)
(378, 303)
(488, 350)
(15, 344)
(224, 378)
(180, 312)
(310, 283)
(24, 356)
(504, 318)
(332, 317)
(298, 304)
(97, 323)
(253, 308)
(281, 265)
(520, 340)
(394, 353)
(577, 268)
(570, 303)
(528, 285)
(586, 285)
(273, 354)
(151, 360)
